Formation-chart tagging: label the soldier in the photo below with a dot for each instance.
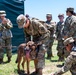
(69, 26)
(1, 44)
(40, 34)
(59, 34)
(70, 63)
(1, 49)
(5, 26)
(51, 29)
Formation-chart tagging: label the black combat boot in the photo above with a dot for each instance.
(49, 56)
(9, 59)
(61, 59)
(1, 60)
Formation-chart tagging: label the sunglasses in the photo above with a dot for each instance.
(69, 44)
(49, 17)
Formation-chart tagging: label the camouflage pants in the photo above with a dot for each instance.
(60, 48)
(8, 49)
(49, 51)
(1, 49)
(41, 53)
(70, 64)
(41, 60)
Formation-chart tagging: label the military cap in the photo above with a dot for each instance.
(2, 13)
(48, 15)
(61, 15)
(21, 19)
(68, 40)
(70, 9)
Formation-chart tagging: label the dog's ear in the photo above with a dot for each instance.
(35, 45)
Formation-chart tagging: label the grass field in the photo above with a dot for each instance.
(50, 66)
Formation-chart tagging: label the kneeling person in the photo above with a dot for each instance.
(70, 63)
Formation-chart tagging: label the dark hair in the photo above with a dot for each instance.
(72, 12)
(73, 43)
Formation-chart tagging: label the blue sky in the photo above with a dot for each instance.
(39, 8)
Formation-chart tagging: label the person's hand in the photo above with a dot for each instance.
(4, 21)
(55, 37)
(65, 37)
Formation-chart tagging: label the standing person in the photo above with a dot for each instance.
(5, 26)
(1, 44)
(69, 27)
(59, 34)
(40, 35)
(1, 49)
(70, 62)
(69, 36)
(52, 24)
(69, 31)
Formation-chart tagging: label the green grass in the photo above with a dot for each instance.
(50, 66)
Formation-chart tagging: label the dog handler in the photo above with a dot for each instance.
(40, 35)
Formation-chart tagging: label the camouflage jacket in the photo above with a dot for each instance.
(70, 27)
(5, 29)
(59, 30)
(36, 29)
(50, 25)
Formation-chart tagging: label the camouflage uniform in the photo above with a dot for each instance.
(69, 29)
(6, 37)
(1, 49)
(51, 28)
(70, 63)
(40, 34)
(60, 45)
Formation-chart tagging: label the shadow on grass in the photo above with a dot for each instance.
(54, 60)
(5, 62)
(60, 65)
(22, 72)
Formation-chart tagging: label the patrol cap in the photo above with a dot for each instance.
(70, 9)
(48, 15)
(61, 15)
(68, 40)
(2, 13)
(21, 19)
